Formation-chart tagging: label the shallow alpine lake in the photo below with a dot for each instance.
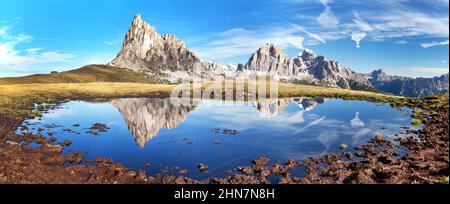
(152, 133)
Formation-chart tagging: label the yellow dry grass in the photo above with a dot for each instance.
(19, 97)
(96, 89)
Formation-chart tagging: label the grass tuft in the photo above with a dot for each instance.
(416, 122)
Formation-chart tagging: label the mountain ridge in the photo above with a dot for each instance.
(168, 58)
(408, 86)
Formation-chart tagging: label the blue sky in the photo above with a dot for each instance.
(404, 37)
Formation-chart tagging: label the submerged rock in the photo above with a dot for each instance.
(202, 167)
(99, 127)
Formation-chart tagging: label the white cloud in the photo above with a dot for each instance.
(408, 23)
(16, 60)
(434, 43)
(361, 24)
(315, 36)
(401, 42)
(358, 37)
(34, 50)
(312, 35)
(381, 20)
(327, 18)
(114, 42)
(3, 31)
(237, 42)
(427, 70)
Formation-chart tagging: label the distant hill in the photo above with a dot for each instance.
(90, 73)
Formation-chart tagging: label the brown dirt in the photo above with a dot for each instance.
(426, 160)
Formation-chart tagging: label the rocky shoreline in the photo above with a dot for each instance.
(426, 160)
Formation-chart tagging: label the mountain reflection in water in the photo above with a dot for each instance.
(145, 117)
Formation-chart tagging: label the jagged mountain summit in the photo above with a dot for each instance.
(160, 56)
(307, 67)
(166, 58)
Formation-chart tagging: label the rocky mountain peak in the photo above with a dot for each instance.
(271, 60)
(137, 20)
(379, 75)
(307, 55)
(272, 50)
(144, 50)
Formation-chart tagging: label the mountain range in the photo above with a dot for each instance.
(167, 58)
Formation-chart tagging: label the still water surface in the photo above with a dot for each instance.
(222, 135)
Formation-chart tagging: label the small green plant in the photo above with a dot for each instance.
(36, 113)
(343, 147)
(445, 180)
(418, 111)
(55, 148)
(66, 100)
(415, 182)
(416, 122)
(41, 106)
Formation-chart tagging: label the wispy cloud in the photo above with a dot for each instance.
(3, 31)
(327, 18)
(380, 20)
(240, 41)
(17, 60)
(117, 40)
(427, 70)
(309, 34)
(434, 43)
(361, 24)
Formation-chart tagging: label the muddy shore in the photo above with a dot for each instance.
(426, 160)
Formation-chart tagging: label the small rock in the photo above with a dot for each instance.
(52, 139)
(66, 143)
(92, 132)
(202, 167)
(131, 173)
(99, 127)
(350, 156)
(12, 143)
(217, 142)
(183, 171)
(188, 141)
(378, 137)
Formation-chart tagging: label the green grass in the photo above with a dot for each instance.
(343, 147)
(91, 73)
(418, 111)
(416, 122)
(36, 113)
(445, 180)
